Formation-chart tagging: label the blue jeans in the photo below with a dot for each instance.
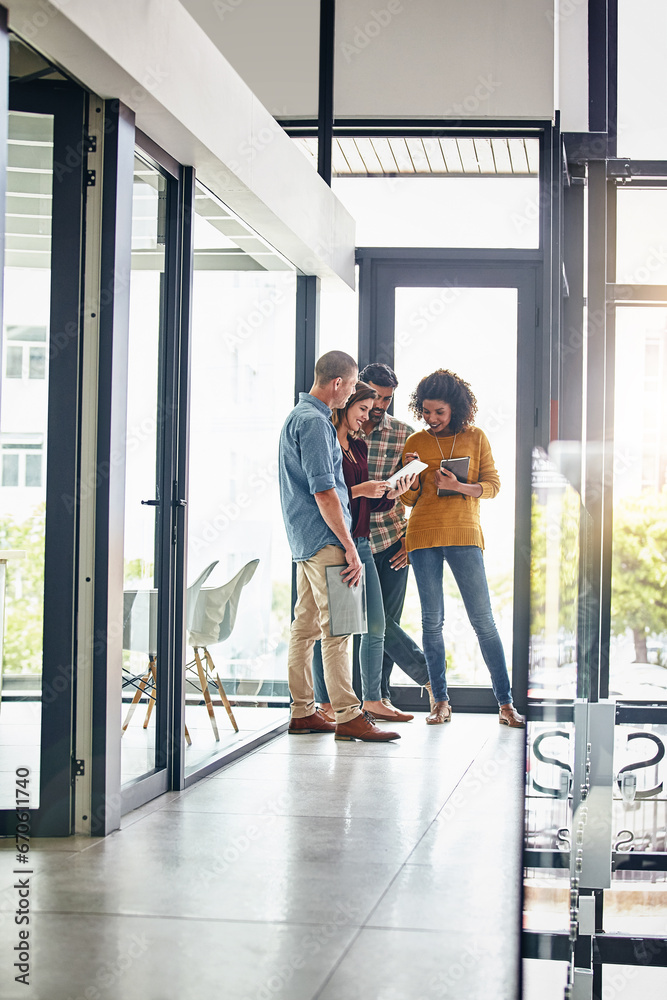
(467, 564)
(399, 648)
(371, 647)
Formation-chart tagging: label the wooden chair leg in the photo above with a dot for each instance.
(207, 697)
(140, 690)
(152, 695)
(187, 737)
(223, 695)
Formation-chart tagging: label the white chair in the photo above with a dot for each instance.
(212, 621)
(140, 635)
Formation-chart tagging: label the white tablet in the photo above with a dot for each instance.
(413, 467)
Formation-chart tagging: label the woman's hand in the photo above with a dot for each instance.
(403, 484)
(373, 489)
(410, 456)
(446, 480)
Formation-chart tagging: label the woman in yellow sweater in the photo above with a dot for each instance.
(447, 528)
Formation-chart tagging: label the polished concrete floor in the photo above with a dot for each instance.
(309, 869)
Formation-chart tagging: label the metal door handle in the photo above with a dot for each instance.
(151, 503)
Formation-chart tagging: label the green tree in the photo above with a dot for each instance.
(639, 569)
(24, 593)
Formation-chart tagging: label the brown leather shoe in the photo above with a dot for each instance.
(442, 712)
(327, 712)
(510, 717)
(392, 714)
(363, 728)
(315, 723)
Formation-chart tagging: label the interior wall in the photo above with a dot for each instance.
(273, 45)
(454, 59)
(572, 88)
(416, 58)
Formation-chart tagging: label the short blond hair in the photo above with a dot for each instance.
(334, 364)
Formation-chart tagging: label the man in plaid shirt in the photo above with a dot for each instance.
(385, 437)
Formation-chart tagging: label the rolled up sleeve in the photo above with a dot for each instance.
(316, 444)
(488, 474)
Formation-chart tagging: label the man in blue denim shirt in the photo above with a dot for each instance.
(316, 511)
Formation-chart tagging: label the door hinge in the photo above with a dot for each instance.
(78, 768)
(90, 143)
(91, 178)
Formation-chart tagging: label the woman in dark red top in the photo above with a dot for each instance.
(365, 495)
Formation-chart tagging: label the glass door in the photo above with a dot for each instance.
(148, 658)
(480, 323)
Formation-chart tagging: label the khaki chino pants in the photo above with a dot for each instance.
(311, 622)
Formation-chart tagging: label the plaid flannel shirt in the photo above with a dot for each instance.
(385, 450)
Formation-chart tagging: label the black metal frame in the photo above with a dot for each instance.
(612, 949)
(186, 212)
(325, 110)
(115, 259)
(66, 103)
(369, 127)
(307, 329)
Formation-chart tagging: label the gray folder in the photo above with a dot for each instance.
(347, 605)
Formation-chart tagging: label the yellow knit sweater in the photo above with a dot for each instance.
(450, 520)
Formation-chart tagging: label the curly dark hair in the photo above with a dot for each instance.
(450, 388)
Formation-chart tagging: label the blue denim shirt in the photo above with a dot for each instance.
(311, 462)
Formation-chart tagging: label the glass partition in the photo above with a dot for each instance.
(642, 131)
(437, 191)
(554, 579)
(238, 561)
(638, 649)
(454, 211)
(23, 439)
(142, 473)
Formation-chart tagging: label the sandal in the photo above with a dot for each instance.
(442, 712)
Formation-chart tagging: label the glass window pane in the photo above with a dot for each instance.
(23, 417)
(33, 470)
(339, 318)
(14, 368)
(638, 651)
(442, 211)
(640, 237)
(37, 362)
(642, 31)
(10, 470)
(554, 586)
(428, 321)
(141, 473)
(635, 902)
(242, 388)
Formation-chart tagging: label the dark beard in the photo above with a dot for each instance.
(376, 418)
